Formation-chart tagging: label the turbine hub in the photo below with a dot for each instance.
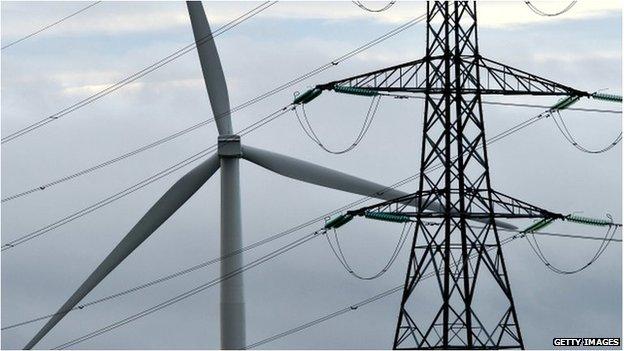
(229, 146)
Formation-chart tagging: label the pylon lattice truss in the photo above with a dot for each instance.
(470, 304)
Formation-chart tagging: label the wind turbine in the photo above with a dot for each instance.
(230, 151)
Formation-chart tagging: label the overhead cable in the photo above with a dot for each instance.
(180, 272)
(563, 128)
(368, 120)
(535, 247)
(340, 256)
(365, 8)
(546, 14)
(50, 25)
(485, 102)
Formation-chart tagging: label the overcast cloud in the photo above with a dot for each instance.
(47, 73)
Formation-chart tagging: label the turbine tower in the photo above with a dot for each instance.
(230, 151)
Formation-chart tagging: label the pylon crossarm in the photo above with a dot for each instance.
(428, 204)
(399, 205)
(500, 79)
(514, 208)
(405, 77)
(410, 77)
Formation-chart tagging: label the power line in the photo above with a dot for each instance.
(386, 7)
(129, 79)
(368, 120)
(568, 236)
(563, 128)
(535, 247)
(327, 317)
(191, 292)
(50, 25)
(250, 102)
(340, 256)
(546, 14)
(580, 109)
(143, 183)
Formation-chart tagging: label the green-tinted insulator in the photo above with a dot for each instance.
(565, 103)
(338, 221)
(607, 97)
(588, 221)
(355, 91)
(307, 96)
(538, 225)
(387, 216)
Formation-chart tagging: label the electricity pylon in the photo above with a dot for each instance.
(472, 283)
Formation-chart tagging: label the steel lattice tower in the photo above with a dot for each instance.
(470, 304)
(453, 133)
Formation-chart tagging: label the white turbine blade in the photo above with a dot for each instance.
(319, 175)
(329, 178)
(173, 199)
(211, 67)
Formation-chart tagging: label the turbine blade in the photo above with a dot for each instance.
(211, 67)
(329, 178)
(319, 175)
(173, 199)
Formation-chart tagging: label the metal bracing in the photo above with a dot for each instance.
(477, 206)
(470, 305)
(454, 135)
(496, 79)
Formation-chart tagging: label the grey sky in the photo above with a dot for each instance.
(47, 73)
